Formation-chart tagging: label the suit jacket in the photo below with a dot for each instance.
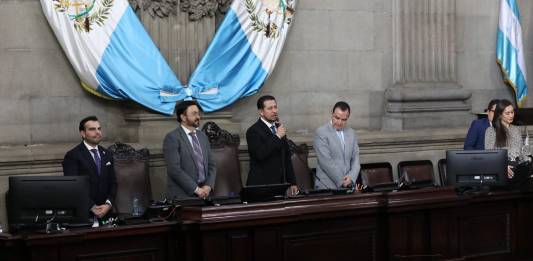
(182, 172)
(333, 162)
(270, 158)
(475, 138)
(80, 162)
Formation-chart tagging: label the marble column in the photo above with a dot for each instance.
(425, 93)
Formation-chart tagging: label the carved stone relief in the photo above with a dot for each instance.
(197, 9)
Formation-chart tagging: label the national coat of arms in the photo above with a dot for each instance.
(262, 15)
(85, 13)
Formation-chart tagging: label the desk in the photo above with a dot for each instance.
(435, 224)
(425, 224)
(138, 242)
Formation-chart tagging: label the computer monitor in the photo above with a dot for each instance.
(260, 193)
(32, 200)
(476, 168)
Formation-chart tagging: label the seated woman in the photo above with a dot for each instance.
(504, 135)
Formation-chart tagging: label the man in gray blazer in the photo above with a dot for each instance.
(190, 164)
(337, 151)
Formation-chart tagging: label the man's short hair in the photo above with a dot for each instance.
(181, 108)
(261, 101)
(85, 120)
(491, 104)
(341, 105)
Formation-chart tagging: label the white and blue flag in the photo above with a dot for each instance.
(509, 50)
(111, 52)
(241, 56)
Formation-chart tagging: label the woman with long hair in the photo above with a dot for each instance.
(503, 134)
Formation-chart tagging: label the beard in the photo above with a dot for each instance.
(193, 123)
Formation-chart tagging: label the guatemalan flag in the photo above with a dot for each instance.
(111, 52)
(242, 55)
(509, 51)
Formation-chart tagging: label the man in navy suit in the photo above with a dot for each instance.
(270, 158)
(90, 159)
(475, 138)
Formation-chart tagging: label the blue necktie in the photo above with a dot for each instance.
(273, 128)
(341, 138)
(97, 160)
(198, 157)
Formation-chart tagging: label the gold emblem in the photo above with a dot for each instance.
(84, 13)
(262, 20)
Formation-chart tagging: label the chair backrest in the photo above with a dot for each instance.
(225, 148)
(133, 177)
(377, 175)
(416, 173)
(302, 173)
(442, 172)
(228, 181)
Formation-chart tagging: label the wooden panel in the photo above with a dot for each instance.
(408, 235)
(231, 246)
(331, 245)
(316, 239)
(239, 244)
(485, 235)
(146, 248)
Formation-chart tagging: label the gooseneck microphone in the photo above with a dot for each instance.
(283, 153)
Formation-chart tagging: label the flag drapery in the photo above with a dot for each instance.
(509, 50)
(111, 52)
(242, 55)
(115, 58)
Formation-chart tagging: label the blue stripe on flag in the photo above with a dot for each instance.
(508, 58)
(229, 64)
(132, 67)
(514, 7)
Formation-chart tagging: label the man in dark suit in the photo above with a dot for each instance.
(190, 164)
(90, 159)
(475, 138)
(270, 158)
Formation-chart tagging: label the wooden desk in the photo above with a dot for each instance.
(425, 224)
(429, 224)
(138, 242)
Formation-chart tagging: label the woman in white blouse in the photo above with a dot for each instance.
(504, 135)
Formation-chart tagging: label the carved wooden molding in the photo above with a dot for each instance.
(124, 151)
(219, 137)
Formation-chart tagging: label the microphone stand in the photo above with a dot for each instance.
(284, 141)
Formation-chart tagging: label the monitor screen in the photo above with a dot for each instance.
(264, 192)
(476, 168)
(32, 200)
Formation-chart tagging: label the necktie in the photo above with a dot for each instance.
(273, 128)
(341, 138)
(198, 157)
(97, 160)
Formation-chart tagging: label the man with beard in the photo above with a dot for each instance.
(270, 158)
(190, 163)
(90, 159)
